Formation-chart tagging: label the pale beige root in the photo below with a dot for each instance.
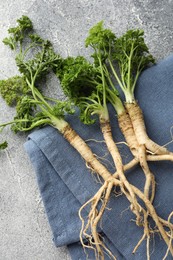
(161, 157)
(147, 230)
(138, 150)
(150, 180)
(126, 167)
(146, 235)
(88, 156)
(79, 144)
(137, 120)
(155, 217)
(166, 223)
(130, 164)
(127, 130)
(97, 240)
(160, 224)
(171, 235)
(89, 230)
(113, 149)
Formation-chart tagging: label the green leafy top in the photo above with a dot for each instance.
(41, 62)
(131, 55)
(101, 40)
(13, 89)
(42, 53)
(3, 145)
(124, 58)
(17, 93)
(35, 58)
(79, 80)
(17, 33)
(84, 83)
(78, 77)
(89, 85)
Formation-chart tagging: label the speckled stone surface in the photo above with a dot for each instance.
(25, 234)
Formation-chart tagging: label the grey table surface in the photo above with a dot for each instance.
(25, 234)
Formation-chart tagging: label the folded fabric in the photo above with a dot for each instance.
(65, 183)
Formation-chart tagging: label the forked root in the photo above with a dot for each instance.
(137, 121)
(170, 234)
(116, 156)
(159, 223)
(98, 203)
(146, 235)
(96, 207)
(89, 229)
(150, 179)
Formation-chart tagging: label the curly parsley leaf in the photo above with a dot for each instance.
(3, 145)
(17, 33)
(35, 58)
(13, 89)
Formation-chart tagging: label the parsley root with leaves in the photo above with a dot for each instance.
(123, 60)
(90, 87)
(86, 86)
(33, 109)
(104, 43)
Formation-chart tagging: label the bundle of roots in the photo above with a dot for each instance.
(132, 125)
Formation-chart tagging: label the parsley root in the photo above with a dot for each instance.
(90, 86)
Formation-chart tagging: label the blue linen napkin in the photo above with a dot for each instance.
(65, 183)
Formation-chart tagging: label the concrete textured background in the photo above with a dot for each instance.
(25, 234)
